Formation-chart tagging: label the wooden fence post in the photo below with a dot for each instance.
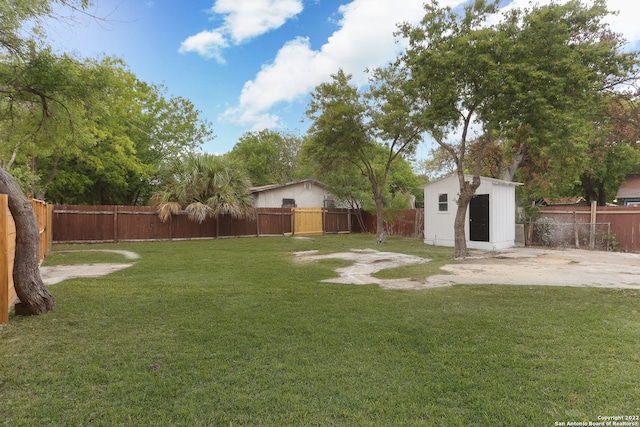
(49, 232)
(115, 224)
(4, 259)
(592, 234)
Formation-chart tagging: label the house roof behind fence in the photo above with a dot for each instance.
(274, 186)
(630, 188)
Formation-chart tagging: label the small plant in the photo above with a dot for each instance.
(531, 212)
(546, 229)
(611, 242)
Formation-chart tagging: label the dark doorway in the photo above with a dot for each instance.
(479, 218)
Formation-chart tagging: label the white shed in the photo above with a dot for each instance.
(491, 217)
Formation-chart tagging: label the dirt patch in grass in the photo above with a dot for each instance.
(516, 266)
(58, 273)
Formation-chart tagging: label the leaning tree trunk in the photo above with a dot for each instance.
(467, 189)
(30, 288)
(510, 171)
(460, 240)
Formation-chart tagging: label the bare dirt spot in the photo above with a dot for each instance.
(546, 267)
(58, 273)
(517, 266)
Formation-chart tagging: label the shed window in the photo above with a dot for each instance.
(443, 205)
(288, 203)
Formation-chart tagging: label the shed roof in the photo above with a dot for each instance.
(470, 177)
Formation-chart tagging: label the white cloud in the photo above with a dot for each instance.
(624, 22)
(250, 18)
(206, 43)
(294, 72)
(243, 20)
(364, 40)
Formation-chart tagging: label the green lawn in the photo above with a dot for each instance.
(234, 333)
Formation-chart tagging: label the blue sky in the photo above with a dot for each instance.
(251, 64)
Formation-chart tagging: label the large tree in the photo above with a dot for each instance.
(530, 80)
(613, 151)
(569, 54)
(134, 129)
(270, 157)
(453, 72)
(350, 126)
(26, 85)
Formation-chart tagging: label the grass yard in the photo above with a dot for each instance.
(234, 333)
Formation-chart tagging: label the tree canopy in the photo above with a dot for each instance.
(28, 86)
(270, 157)
(205, 185)
(350, 129)
(109, 140)
(532, 81)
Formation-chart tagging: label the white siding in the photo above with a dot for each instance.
(305, 194)
(503, 225)
(438, 226)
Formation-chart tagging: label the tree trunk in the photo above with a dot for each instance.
(380, 219)
(602, 196)
(467, 189)
(33, 294)
(510, 171)
(590, 189)
(361, 223)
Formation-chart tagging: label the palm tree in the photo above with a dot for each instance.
(205, 185)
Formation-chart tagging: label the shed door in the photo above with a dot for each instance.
(479, 218)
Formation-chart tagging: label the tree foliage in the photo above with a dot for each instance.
(454, 75)
(115, 135)
(532, 81)
(205, 185)
(613, 152)
(351, 128)
(20, 79)
(270, 157)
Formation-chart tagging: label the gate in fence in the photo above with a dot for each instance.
(307, 221)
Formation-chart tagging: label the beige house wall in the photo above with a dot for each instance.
(307, 194)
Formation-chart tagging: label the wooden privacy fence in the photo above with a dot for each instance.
(43, 213)
(595, 227)
(406, 223)
(75, 224)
